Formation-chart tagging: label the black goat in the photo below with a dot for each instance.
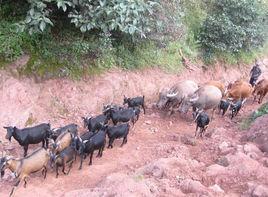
(77, 142)
(223, 106)
(30, 135)
(95, 123)
(135, 102)
(202, 120)
(122, 115)
(115, 132)
(67, 156)
(57, 131)
(96, 142)
(235, 108)
(137, 112)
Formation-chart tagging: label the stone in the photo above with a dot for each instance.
(191, 186)
(223, 146)
(223, 161)
(188, 140)
(216, 188)
(215, 170)
(260, 191)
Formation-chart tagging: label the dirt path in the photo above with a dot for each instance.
(154, 136)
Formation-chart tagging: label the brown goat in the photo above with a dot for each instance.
(239, 90)
(23, 167)
(62, 142)
(260, 89)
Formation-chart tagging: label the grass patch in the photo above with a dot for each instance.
(246, 123)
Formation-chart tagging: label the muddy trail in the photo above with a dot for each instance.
(160, 159)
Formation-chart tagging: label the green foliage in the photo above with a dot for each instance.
(131, 17)
(256, 114)
(11, 43)
(233, 25)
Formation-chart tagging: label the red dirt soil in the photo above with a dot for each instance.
(155, 137)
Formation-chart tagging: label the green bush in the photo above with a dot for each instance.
(11, 42)
(256, 114)
(233, 25)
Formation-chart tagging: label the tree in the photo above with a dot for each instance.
(233, 25)
(128, 16)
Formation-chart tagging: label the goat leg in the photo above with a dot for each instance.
(81, 161)
(16, 185)
(25, 182)
(98, 155)
(45, 171)
(43, 143)
(25, 150)
(101, 150)
(196, 131)
(111, 143)
(70, 166)
(90, 160)
(47, 142)
(63, 167)
(124, 141)
(57, 170)
(143, 108)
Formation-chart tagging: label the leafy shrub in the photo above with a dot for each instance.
(131, 17)
(233, 25)
(11, 43)
(256, 114)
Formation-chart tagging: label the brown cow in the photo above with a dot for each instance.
(217, 84)
(261, 89)
(239, 90)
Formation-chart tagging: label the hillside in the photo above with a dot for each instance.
(160, 158)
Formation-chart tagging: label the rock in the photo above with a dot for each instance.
(216, 188)
(154, 130)
(223, 161)
(148, 122)
(260, 191)
(265, 161)
(215, 170)
(190, 186)
(155, 171)
(188, 140)
(264, 147)
(223, 146)
(251, 148)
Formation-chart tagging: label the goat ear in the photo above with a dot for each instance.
(5, 127)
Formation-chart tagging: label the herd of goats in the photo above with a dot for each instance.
(60, 146)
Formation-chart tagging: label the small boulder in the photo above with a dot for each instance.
(249, 148)
(260, 191)
(188, 140)
(223, 161)
(215, 170)
(216, 188)
(192, 186)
